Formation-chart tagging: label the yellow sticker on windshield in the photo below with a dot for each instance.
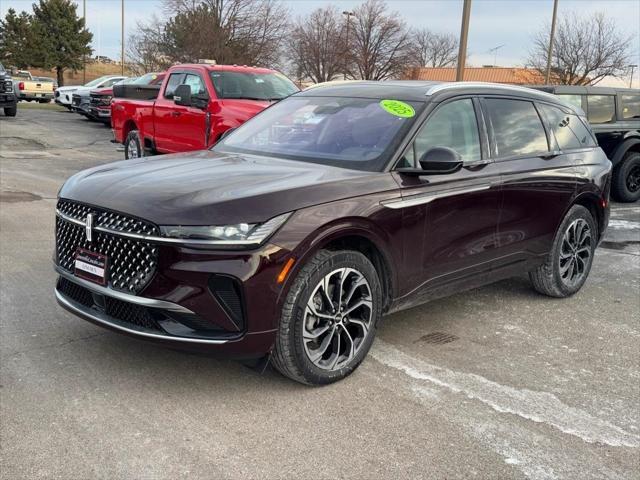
(398, 108)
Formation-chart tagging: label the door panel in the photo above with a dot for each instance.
(165, 112)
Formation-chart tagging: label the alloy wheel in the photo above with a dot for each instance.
(575, 252)
(337, 319)
(633, 179)
(132, 150)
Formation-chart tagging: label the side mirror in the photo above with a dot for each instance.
(441, 160)
(436, 161)
(100, 86)
(182, 96)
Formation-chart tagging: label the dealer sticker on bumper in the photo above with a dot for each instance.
(91, 266)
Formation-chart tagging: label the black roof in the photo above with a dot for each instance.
(423, 91)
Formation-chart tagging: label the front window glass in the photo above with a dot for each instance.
(195, 83)
(355, 133)
(175, 79)
(601, 108)
(252, 86)
(517, 127)
(452, 125)
(630, 106)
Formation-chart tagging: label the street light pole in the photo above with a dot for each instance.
(464, 33)
(632, 67)
(84, 57)
(348, 14)
(122, 38)
(553, 32)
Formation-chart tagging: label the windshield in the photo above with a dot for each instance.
(252, 86)
(97, 81)
(355, 133)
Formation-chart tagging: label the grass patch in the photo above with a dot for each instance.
(40, 106)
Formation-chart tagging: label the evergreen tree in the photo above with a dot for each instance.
(16, 40)
(60, 37)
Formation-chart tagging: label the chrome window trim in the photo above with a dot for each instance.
(125, 297)
(161, 240)
(424, 198)
(106, 320)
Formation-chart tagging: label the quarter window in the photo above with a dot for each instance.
(175, 79)
(601, 108)
(630, 106)
(517, 127)
(452, 125)
(568, 129)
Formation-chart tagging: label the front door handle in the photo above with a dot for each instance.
(175, 114)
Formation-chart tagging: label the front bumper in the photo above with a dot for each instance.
(7, 100)
(103, 114)
(181, 307)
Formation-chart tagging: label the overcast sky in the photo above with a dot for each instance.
(493, 22)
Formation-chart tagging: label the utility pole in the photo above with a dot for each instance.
(464, 33)
(632, 67)
(122, 38)
(348, 14)
(553, 32)
(84, 57)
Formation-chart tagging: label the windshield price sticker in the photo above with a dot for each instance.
(398, 108)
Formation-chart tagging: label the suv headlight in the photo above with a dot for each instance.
(237, 234)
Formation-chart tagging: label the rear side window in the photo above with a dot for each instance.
(452, 125)
(175, 79)
(601, 108)
(568, 129)
(630, 106)
(517, 127)
(575, 100)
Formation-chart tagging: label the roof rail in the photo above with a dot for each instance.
(453, 85)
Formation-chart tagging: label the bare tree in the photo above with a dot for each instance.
(585, 50)
(229, 31)
(379, 45)
(316, 47)
(437, 50)
(145, 50)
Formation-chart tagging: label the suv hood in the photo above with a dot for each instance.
(209, 188)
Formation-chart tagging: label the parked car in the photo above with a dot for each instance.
(64, 95)
(8, 100)
(194, 106)
(32, 89)
(614, 115)
(100, 99)
(297, 231)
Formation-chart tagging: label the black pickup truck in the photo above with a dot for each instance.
(614, 116)
(8, 99)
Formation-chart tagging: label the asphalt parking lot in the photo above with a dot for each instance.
(498, 382)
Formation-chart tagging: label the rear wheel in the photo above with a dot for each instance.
(571, 257)
(329, 319)
(133, 146)
(11, 111)
(626, 178)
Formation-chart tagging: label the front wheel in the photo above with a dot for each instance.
(569, 262)
(11, 111)
(626, 178)
(329, 318)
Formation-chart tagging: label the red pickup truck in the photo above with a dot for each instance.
(194, 106)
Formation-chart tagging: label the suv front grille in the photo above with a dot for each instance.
(131, 262)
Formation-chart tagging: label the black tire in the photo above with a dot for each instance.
(43, 101)
(133, 143)
(290, 356)
(549, 279)
(11, 111)
(625, 185)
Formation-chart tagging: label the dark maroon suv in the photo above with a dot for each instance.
(293, 236)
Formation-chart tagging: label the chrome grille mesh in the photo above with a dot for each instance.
(132, 262)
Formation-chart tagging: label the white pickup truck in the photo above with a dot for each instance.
(32, 89)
